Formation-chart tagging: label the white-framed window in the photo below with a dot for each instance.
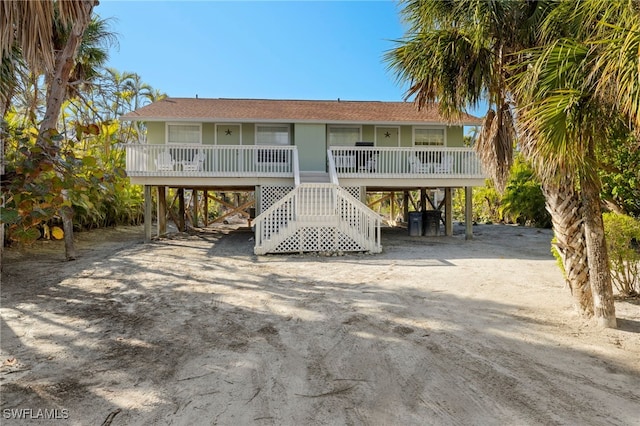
(429, 136)
(344, 135)
(184, 133)
(272, 134)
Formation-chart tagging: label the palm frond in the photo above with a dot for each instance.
(442, 66)
(30, 24)
(616, 72)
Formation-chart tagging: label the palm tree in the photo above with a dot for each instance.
(456, 52)
(92, 55)
(563, 122)
(586, 92)
(31, 26)
(116, 89)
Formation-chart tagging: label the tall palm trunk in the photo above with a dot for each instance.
(56, 91)
(599, 273)
(565, 207)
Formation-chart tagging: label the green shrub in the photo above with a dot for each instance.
(485, 204)
(623, 242)
(620, 174)
(523, 202)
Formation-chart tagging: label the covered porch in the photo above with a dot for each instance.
(367, 169)
(441, 165)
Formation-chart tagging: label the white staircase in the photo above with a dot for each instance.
(317, 217)
(314, 177)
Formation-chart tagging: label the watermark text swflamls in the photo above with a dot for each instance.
(35, 414)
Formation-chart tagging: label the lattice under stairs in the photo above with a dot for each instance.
(317, 217)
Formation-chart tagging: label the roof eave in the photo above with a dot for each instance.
(283, 120)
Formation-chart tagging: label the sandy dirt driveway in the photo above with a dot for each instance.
(195, 329)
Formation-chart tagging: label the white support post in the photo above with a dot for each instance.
(162, 211)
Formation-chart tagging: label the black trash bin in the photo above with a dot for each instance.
(431, 226)
(415, 224)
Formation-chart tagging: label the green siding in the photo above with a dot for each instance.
(368, 133)
(155, 132)
(208, 133)
(455, 136)
(406, 136)
(310, 139)
(248, 134)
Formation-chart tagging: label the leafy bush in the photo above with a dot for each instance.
(485, 204)
(37, 174)
(623, 241)
(620, 174)
(523, 201)
(32, 187)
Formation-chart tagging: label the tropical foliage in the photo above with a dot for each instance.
(620, 174)
(522, 201)
(88, 163)
(564, 75)
(77, 165)
(623, 239)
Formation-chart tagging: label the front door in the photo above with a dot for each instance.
(228, 134)
(387, 136)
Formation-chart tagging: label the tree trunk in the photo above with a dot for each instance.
(6, 104)
(66, 213)
(565, 207)
(599, 273)
(56, 91)
(2, 203)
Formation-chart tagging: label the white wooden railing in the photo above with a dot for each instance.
(333, 173)
(386, 162)
(209, 160)
(317, 217)
(280, 161)
(296, 168)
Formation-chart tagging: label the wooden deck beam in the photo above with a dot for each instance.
(468, 212)
(194, 197)
(148, 213)
(182, 227)
(162, 210)
(206, 208)
(448, 212)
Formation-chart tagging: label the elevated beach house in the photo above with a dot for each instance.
(309, 163)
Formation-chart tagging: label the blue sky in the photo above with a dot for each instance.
(259, 49)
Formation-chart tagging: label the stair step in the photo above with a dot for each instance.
(314, 177)
(314, 206)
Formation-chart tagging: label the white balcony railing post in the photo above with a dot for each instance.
(209, 160)
(387, 162)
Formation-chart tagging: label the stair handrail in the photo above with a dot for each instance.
(368, 229)
(373, 217)
(333, 173)
(296, 168)
(274, 206)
